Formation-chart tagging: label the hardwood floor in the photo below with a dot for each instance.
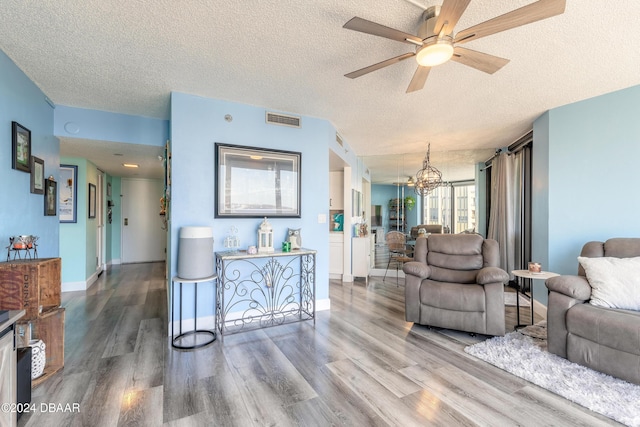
(362, 365)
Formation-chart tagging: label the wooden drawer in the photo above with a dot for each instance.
(29, 284)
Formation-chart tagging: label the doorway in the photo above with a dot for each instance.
(143, 238)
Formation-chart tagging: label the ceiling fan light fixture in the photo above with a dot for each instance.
(439, 51)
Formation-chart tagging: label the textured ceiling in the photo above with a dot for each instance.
(291, 55)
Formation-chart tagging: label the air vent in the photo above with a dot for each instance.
(282, 120)
(339, 139)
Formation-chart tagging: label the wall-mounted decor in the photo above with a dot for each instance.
(20, 147)
(92, 200)
(68, 199)
(50, 196)
(37, 175)
(108, 189)
(256, 182)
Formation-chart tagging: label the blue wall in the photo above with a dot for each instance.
(196, 125)
(105, 126)
(78, 240)
(381, 194)
(585, 176)
(20, 211)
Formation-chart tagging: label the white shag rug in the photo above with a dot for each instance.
(526, 358)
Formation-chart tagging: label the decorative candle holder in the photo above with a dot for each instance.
(535, 267)
(265, 237)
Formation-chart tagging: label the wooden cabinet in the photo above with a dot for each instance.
(35, 286)
(361, 257)
(336, 190)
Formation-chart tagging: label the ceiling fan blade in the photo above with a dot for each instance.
(542, 9)
(374, 67)
(364, 26)
(478, 60)
(419, 79)
(450, 13)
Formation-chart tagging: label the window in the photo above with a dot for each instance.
(453, 205)
(465, 207)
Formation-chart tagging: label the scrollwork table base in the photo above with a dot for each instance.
(264, 290)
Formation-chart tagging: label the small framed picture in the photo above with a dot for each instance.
(50, 197)
(92, 200)
(37, 175)
(68, 195)
(20, 147)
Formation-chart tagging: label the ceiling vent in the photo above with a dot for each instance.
(282, 120)
(339, 139)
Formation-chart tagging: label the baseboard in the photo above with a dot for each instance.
(380, 272)
(323, 304)
(114, 262)
(92, 279)
(80, 286)
(74, 286)
(539, 308)
(208, 322)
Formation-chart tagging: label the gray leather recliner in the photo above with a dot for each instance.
(454, 282)
(603, 339)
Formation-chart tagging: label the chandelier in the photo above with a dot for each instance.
(428, 178)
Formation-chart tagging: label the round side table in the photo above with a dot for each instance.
(526, 274)
(175, 341)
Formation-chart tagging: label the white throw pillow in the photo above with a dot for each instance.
(615, 282)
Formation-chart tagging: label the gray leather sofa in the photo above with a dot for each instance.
(454, 282)
(604, 339)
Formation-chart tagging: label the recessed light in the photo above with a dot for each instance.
(130, 165)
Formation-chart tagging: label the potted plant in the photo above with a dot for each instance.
(409, 202)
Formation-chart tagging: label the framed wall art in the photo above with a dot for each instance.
(37, 175)
(50, 196)
(256, 182)
(92, 200)
(20, 147)
(68, 194)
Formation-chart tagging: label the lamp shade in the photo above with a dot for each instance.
(195, 253)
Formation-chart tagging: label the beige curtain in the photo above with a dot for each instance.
(504, 214)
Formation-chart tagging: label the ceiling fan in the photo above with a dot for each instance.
(436, 44)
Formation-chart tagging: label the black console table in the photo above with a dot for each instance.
(262, 290)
